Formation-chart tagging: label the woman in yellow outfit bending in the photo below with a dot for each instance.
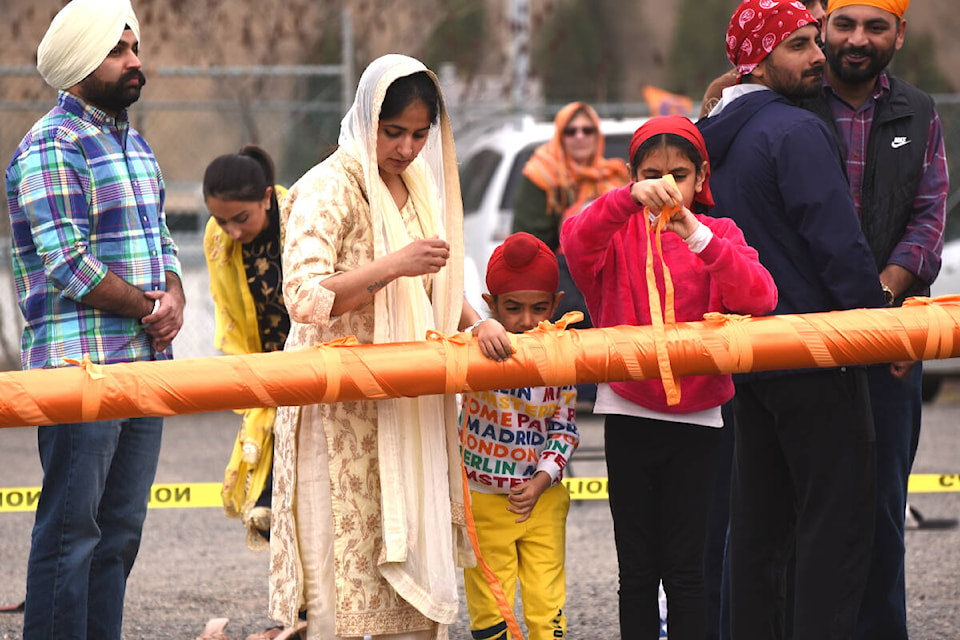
(242, 247)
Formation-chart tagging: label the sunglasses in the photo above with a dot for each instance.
(572, 131)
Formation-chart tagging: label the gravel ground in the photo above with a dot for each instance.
(193, 564)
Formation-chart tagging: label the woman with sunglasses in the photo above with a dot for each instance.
(564, 174)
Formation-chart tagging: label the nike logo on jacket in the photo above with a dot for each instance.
(899, 141)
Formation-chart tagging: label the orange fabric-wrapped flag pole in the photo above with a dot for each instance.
(922, 329)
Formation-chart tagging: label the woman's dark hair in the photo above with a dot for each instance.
(404, 91)
(662, 141)
(242, 176)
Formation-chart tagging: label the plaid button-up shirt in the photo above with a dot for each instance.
(924, 233)
(85, 196)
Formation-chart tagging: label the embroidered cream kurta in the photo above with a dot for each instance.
(393, 464)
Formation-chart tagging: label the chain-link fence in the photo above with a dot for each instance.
(191, 115)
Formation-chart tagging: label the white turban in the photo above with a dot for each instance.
(80, 37)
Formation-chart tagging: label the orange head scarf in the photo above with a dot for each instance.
(565, 182)
(896, 7)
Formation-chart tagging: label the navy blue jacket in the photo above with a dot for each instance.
(776, 171)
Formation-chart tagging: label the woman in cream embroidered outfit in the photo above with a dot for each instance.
(368, 511)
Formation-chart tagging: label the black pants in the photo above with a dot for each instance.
(716, 583)
(573, 301)
(660, 490)
(803, 479)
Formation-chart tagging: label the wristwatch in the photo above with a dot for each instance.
(887, 293)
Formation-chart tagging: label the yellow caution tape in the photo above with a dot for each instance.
(162, 496)
(586, 488)
(207, 494)
(596, 488)
(933, 482)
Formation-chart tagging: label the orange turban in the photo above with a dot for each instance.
(896, 7)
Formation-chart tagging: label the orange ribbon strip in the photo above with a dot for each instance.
(496, 587)
(660, 318)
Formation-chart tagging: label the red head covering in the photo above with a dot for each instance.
(683, 127)
(758, 26)
(522, 263)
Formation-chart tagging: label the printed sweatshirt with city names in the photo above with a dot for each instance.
(513, 433)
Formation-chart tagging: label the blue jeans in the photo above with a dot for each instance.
(96, 483)
(896, 414)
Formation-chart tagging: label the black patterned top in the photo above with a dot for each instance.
(261, 261)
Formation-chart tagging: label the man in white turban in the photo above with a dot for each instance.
(80, 38)
(98, 281)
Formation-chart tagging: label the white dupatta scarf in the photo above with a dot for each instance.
(417, 437)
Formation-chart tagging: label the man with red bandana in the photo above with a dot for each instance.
(891, 139)
(817, 8)
(804, 461)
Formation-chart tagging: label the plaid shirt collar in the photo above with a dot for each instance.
(75, 105)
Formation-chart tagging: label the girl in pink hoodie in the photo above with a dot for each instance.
(660, 449)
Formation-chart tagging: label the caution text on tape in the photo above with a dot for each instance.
(162, 496)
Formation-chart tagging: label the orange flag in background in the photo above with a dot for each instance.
(664, 103)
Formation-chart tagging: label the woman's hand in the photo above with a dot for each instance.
(421, 257)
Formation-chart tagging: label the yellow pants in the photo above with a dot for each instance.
(532, 552)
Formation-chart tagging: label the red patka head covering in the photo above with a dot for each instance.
(683, 127)
(758, 26)
(522, 263)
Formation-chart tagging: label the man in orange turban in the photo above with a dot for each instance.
(891, 138)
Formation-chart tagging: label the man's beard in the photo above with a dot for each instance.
(877, 62)
(806, 86)
(112, 97)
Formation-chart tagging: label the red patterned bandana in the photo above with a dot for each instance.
(758, 26)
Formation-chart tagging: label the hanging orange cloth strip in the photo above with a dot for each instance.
(666, 316)
(496, 587)
(922, 329)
